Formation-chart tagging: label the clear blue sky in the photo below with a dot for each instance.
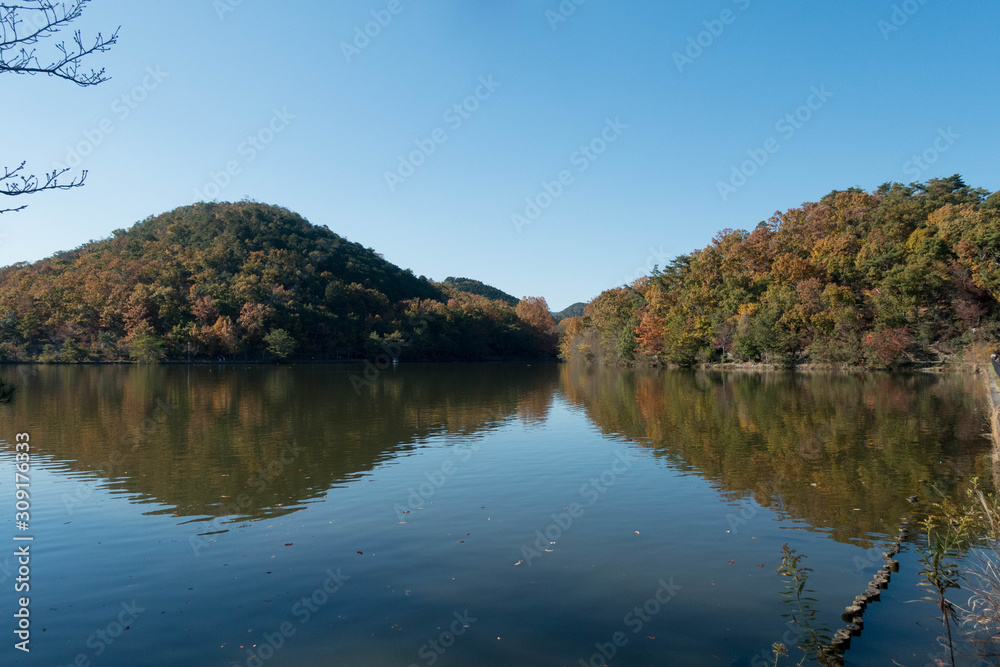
(673, 128)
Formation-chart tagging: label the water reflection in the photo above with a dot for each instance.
(259, 441)
(841, 452)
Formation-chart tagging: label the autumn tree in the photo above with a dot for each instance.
(875, 279)
(570, 345)
(535, 313)
(25, 27)
(615, 315)
(216, 279)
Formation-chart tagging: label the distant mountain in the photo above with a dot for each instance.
(471, 286)
(241, 281)
(576, 310)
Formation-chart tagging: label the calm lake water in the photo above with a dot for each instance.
(469, 514)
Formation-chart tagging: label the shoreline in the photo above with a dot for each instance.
(993, 392)
(948, 366)
(282, 362)
(926, 367)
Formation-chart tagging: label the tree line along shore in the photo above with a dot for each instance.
(906, 275)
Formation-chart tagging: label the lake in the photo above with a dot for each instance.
(477, 514)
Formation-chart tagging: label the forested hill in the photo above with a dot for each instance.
(482, 289)
(901, 274)
(245, 281)
(575, 310)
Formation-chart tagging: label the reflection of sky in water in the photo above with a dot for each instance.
(444, 478)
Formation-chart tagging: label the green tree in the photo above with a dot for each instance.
(145, 347)
(280, 343)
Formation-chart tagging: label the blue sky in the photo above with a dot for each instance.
(588, 143)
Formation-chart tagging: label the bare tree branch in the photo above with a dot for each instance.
(13, 183)
(22, 27)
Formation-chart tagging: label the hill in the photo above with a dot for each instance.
(902, 274)
(241, 280)
(470, 286)
(575, 310)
